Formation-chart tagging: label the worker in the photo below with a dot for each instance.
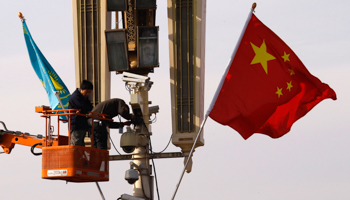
(78, 124)
(113, 108)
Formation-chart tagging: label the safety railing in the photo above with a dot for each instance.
(57, 139)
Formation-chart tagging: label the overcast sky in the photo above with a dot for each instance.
(310, 162)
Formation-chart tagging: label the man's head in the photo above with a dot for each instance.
(86, 88)
(124, 110)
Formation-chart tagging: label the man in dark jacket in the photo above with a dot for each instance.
(80, 100)
(113, 108)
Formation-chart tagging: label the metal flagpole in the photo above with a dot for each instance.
(232, 57)
(191, 152)
(59, 100)
(215, 97)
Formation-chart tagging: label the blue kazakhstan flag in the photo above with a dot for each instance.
(54, 86)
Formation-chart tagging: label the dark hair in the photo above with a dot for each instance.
(86, 85)
(125, 113)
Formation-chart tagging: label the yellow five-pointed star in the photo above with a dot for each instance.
(261, 55)
(279, 92)
(289, 85)
(285, 57)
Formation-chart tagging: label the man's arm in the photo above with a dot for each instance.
(87, 106)
(80, 103)
(115, 124)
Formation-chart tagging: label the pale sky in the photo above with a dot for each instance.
(310, 162)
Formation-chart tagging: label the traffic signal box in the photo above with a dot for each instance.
(134, 48)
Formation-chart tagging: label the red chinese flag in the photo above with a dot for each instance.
(266, 87)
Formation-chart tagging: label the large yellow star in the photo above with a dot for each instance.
(279, 92)
(285, 57)
(289, 85)
(261, 55)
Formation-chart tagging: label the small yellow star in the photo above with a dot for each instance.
(261, 55)
(285, 57)
(291, 72)
(279, 92)
(289, 86)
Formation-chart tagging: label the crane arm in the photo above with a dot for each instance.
(8, 139)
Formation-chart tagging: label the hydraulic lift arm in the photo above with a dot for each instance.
(8, 139)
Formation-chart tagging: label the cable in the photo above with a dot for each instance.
(154, 166)
(3, 124)
(110, 138)
(166, 145)
(127, 87)
(113, 143)
(154, 120)
(33, 147)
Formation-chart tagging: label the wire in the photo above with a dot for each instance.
(110, 138)
(166, 145)
(127, 87)
(154, 120)
(33, 147)
(154, 166)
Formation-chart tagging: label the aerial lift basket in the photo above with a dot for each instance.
(62, 161)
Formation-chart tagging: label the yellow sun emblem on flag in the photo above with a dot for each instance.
(55, 81)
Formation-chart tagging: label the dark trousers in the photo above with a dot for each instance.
(100, 135)
(77, 137)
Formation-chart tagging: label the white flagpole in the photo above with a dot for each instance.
(190, 155)
(229, 64)
(59, 100)
(214, 99)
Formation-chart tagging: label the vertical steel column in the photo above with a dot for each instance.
(143, 187)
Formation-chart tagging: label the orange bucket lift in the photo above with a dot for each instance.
(62, 161)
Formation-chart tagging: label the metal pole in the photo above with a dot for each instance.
(142, 187)
(59, 100)
(99, 189)
(189, 156)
